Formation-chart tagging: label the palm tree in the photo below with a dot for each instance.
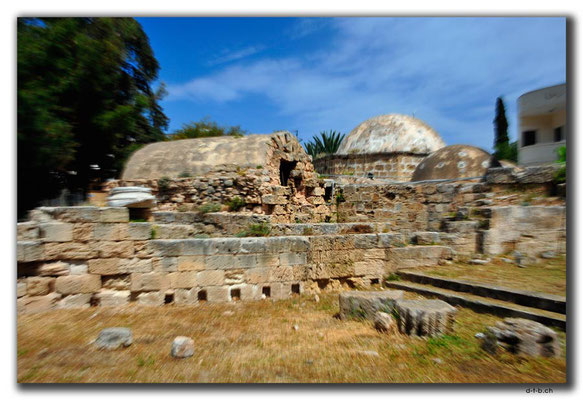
(326, 143)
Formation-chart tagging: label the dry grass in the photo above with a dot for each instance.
(547, 277)
(256, 343)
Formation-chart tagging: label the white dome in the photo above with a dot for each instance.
(391, 133)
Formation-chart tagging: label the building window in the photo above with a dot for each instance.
(559, 133)
(528, 138)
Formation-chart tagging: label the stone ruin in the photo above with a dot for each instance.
(291, 233)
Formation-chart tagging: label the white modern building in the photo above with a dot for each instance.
(542, 118)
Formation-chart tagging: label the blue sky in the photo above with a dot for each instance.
(313, 74)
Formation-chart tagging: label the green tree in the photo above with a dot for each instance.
(85, 101)
(205, 128)
(327, 143)
(502, 147)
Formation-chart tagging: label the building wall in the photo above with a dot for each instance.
(394, 166)
(541, 111)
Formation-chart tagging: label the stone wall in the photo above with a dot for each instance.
(81, 256)
(302, 199)
(529, 230)
(394, 166)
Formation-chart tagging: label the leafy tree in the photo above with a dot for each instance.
(85, 101)
(205, 128)
(327, 143)
(502, 147)
(507, 151)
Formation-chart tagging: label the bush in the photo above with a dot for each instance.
(236, 203)
(163, 184)
(209, 207)
(256, 230)
(184, 174)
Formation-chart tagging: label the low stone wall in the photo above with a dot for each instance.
(80, 256)
(395, 166)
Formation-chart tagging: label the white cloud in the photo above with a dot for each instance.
(229, 56)
(447, 71)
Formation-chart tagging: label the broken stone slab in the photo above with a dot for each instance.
(182, 347)
(364, 305)
(478, 261)
(131, 197)
(383, 322)
(521, 336)
(113, 338)
(425, 317)
(548, 254)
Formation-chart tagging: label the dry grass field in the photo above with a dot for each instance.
(549, 276)
(256, 342)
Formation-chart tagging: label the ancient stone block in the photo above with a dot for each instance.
(367, 241)
(83, 232)
(221, 262)
(116, 282)
(38, 304)
(104, 266)
(355, 304)
(191, 263)
(182, 280)
(149, 282)
(225, 246)
(425, 317)
(27, 230)
(253, 245)
(69, 251)
(257, 275)
(107, 249)
(140, 230)
(217, 294)
(114, 214)
(136, 265)
(151, 298)
(81, 300)
(383, 322)
(56, 232)
(30, 250)
(522, 336)
(186, 296)
(78, 268)
(115, 232)
(21, 288)
(286, 259)
(113, 298)
(73, 284)
(57, 268)
(370, 267)
(173, 231)
(245, 261)
(210, 278)
(166, 248)
(39, 286)
(196, 247)
(165, 264)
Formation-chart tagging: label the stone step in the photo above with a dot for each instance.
(542, 301)
(483, 305)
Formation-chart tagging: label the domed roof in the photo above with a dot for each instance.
(456, 161)
(391, 133)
